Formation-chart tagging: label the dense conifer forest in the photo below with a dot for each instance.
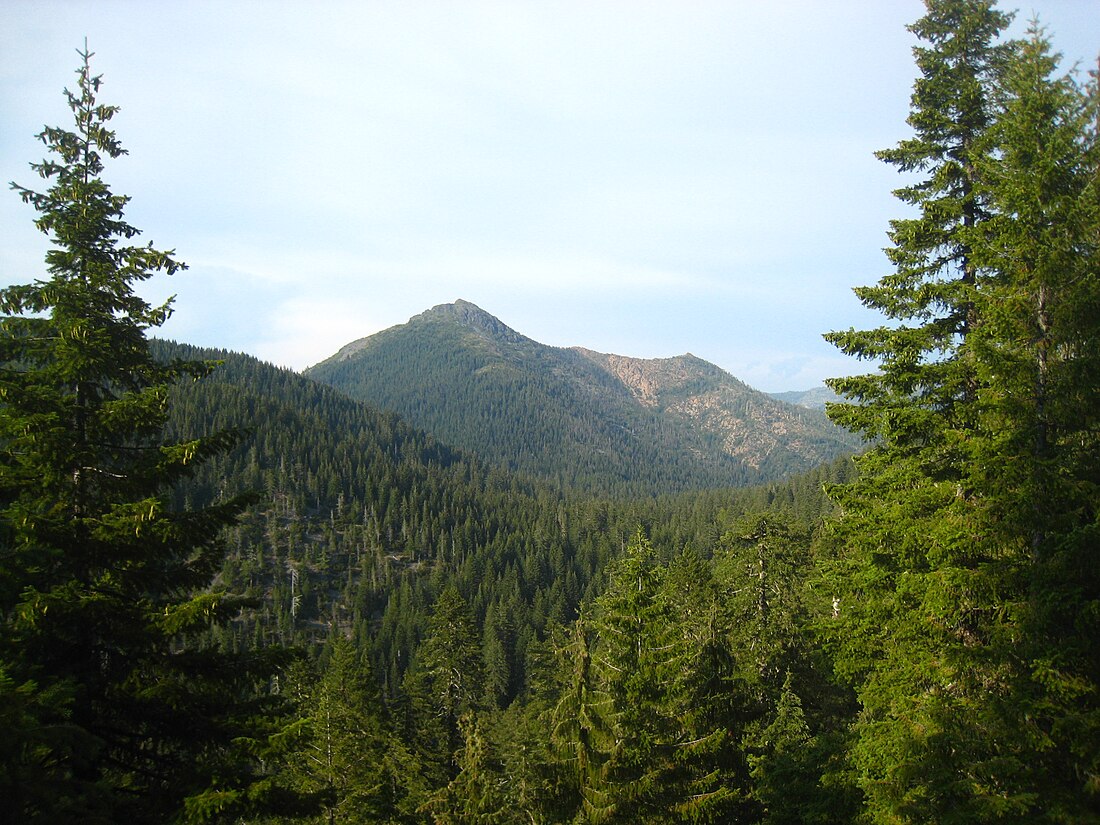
(601, 424)
(229, 593)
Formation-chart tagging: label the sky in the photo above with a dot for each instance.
(646, 178)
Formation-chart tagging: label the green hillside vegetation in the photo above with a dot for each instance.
(815, 399)
(231, 593)
(368, 526)
(367, 512)
(577, 418)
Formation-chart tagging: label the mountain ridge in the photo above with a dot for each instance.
(585, 418)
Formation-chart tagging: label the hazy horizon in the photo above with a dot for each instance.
(640, 179)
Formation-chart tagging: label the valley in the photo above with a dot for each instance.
(598, 422)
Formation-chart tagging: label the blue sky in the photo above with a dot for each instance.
(643, 178)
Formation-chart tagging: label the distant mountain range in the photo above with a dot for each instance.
(577, 417)
(814, 399)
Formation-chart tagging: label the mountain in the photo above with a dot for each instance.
(813, 399)
(576, 417)
(364, 520)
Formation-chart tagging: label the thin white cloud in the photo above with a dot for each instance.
(642, 178)
(305, 330)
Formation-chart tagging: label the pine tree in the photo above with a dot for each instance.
(954, 546)
(118, 715)
(344, 757)
(1037, 461)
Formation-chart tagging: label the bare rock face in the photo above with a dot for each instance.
(648, 379)
(475, 319)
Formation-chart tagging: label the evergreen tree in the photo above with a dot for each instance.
(646, 720)
(638, 660)
(450, 656)
(444, 683)
(497, 667)
(582, 731)
(761, 565)
(118, 716)
(779, 766)
(925, 375)
(536, 786)
(1037, 460)
(909, 590)
(475, 796)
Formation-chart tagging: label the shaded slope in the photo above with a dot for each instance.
(577, 417)
(364, 520)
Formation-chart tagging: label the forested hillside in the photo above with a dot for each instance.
(578, 418)
(229, 593)
(431, 565)
(815, 399)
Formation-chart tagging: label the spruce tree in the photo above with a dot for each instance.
(118, 716)
(1037, 457)
(344, 757)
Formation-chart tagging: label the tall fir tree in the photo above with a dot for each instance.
(581, 725)
(943, 612)
(476, 795)
(638, 661)
(343, 757)
(118, 716)
(1037, 457)
(925, 378)
(645, 722)
(707, 695)
(444, 683)
(761, 568)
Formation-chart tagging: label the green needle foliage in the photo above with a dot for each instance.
(1038, 455)
(114, 713)
(966, 578)
(343, 755)
(444, 684)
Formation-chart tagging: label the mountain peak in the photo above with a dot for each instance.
(474, 318)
